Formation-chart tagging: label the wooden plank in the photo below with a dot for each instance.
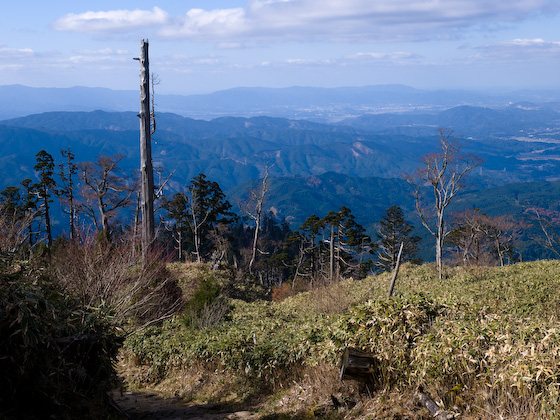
(358, 365)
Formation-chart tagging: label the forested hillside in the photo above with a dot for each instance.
(313, 168)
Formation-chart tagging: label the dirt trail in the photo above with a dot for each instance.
(148, 405)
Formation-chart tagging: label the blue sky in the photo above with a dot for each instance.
(204, 46)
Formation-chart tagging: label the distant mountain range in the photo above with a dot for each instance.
(520, 145)
(315, 167)
(318, 104)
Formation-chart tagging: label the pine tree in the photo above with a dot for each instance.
(178, 219)
(66, 193)
(393, 231)
(46, 185)
(199, 210)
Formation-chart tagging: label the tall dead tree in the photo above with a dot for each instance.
(147, 128)
(444, 172)
(253, 209)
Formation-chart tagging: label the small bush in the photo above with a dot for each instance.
(486, 343)
(207, 306)
(284, 291)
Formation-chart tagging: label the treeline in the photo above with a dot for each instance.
(196, 224)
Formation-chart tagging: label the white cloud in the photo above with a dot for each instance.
(519, 49)
(219, 24)
(16, 58)
(104, 52)
(7, 53)
(332, 20)
(111, 21)
(351, 20)
(393, 56)
(355, 59)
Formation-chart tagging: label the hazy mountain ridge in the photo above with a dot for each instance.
(235, 149)
(480, 122)
(319, 104)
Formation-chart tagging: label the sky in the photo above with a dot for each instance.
(202, 46)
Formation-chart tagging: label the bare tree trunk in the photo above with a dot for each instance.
(137, 217)
(104, 219)
(500, 252)
(396, 271)
(255, 241)
(439, 244)
(258, 197)
(331, 256)
(146, 169)
(47, 218)
(196, 237)
(180, 245)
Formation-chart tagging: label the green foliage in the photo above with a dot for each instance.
(394, 230)
(484, 336)
(53, 353)
(46, 185)
(206, 307)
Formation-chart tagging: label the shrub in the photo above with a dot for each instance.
(56, 357)
(207, 306)
(97, 272)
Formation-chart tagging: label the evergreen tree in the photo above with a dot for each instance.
(30, 204)
(66, 191)
(393, 231)
(331, 247)
(199, 210)
(46, 185)
(178, 219)
(347, 244)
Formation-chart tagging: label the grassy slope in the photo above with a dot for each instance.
(484, 340)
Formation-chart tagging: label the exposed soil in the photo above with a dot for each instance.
(144, 405)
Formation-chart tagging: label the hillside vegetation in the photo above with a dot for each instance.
(482, 341)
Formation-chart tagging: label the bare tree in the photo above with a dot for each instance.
(147, 128)
(105, 190)
(444, 172)
(549, 227)
(481, 239)
(253, 209)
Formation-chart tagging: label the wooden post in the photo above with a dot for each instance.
(146, 169)
(391, 287)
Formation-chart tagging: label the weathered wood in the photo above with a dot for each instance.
(396, 272)
(146, 168)
(432, 407)
(358, 365)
